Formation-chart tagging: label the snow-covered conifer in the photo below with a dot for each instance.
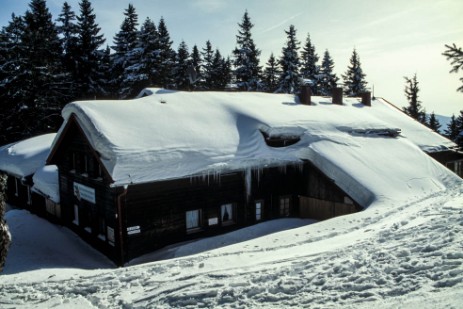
(90, 77)
(433, 123)
(451, 132)
(354, 78)
(246, 57)
(271, 74)
(309, 67)
(290, 78)
(196, 62)
(414, 108)
(166, 57)
(328, 78)
(455, 55)
(207, 66)
(182, 63)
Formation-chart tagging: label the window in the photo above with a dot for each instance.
(227, 214)
(193, 220)
(284, 206)
(29, 196)
(259, 206)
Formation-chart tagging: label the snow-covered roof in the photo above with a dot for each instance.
(172, 134)
(46, 182)
(23, 158)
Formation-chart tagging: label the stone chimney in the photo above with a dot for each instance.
(366, 98)
(305, 95)
(337, 96)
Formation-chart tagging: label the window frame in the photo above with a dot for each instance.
(197, 226)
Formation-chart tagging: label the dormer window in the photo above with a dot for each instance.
(280, 141)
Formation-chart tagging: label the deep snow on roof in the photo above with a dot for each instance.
(46, 182)
(172, 134)
(23, 158)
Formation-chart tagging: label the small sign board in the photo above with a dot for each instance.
(84, 193)
(213, 221)
(133, 230)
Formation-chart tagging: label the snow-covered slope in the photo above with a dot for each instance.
(170, 134)
(23, 158)
(400, 256)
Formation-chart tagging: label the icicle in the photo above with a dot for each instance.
(248, 182)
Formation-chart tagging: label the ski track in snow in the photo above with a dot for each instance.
(410, 251)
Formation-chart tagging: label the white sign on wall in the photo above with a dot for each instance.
(84, 193)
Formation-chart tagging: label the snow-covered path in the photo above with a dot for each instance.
(409, 255)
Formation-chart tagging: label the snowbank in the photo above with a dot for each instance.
(23, 158)
(46, 182)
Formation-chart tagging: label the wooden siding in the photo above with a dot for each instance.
(159, 209)
(321, 209)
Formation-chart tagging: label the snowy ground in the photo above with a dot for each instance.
(404, 256)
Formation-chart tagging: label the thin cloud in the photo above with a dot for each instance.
(281, 23)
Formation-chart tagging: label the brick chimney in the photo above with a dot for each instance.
(305, 95)
(366, 98)
(337, 96)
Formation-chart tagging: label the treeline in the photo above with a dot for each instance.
(46, 63)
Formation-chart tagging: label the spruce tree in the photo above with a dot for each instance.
(328, 79)
(90, 76)
(47, 86)
(125, 41)
(166, 57)
(5, 237)
(207, 66)
(271, 74)
(459, 127)
(451, 132)
(309, 68)
(68, 31)
(455, 55)
(13, 76)
(414, 109)
(148, 43)
(354, 79)
(196, 62)
(246, 57)
(434, 123)
(290, 78)
(220, 72)
(182, 64)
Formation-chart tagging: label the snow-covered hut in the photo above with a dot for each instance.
(139, 174)
(20, 160)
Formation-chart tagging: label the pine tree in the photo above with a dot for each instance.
(90, 77)
(271, 74)
(459, 126)
(166, 57)
(290, 78)
(354, 79)
(182, 64)
(414, 109)
(125, 41)
(434, 123)
(451, 132)
(309, 68)
(207, 66)
(246, 62)
(455, 55)
(5, 237)
(328, 79)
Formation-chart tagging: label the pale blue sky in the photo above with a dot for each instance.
(394, 38)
